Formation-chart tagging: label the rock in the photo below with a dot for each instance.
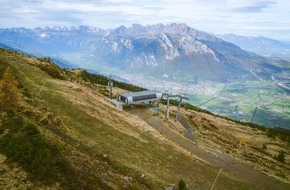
(104, 175)
(128, 179)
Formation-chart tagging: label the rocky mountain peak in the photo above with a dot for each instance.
(157, 29)
(152, 48)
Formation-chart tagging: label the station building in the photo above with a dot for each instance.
(138, 97)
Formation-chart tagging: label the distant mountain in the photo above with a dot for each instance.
(4, 46)
(260, 45)
(174, 50)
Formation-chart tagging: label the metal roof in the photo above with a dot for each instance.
(131, 94)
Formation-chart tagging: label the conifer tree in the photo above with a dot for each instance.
(9, 92)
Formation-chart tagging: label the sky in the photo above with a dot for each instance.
(269, 18)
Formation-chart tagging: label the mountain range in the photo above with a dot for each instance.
(261, 45)
(176, 50)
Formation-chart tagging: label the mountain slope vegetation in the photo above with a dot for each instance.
(64, 134)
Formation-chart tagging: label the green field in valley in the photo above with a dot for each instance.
(260, 102)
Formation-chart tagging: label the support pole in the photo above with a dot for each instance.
(177, 112)
(171, 95)
(110, 84)
(216, 179)
(167, 111)
(41, 89)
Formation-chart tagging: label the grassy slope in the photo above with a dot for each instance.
(258, 150)
(100, 145)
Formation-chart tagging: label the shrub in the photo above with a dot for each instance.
(281, 156)
(25, 145)
(181, 185)
(52, 70)
(9, 93)
(3, 65)
(243, 142)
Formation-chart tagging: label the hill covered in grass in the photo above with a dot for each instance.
(62, 133)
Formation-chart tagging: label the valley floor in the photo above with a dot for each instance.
(262, 102)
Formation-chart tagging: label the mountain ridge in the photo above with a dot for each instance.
(261, 45)
(153, 49)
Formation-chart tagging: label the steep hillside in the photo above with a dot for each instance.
(62, 133)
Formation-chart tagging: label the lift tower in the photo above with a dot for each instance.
(110, 84)
(178, 108)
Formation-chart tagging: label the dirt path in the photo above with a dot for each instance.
(218, 159)
(189, 130)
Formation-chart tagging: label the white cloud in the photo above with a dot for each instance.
(267, 17)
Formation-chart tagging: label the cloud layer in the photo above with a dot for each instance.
(260, 17)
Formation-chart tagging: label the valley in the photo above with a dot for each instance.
(238, 100)
(257, 102)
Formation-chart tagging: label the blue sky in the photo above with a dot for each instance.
(270, 18)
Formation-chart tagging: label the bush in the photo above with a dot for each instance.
(3, 65)
(181, 185)
(10, 95)
(51, 69)
(281, 156)
(25, 145)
